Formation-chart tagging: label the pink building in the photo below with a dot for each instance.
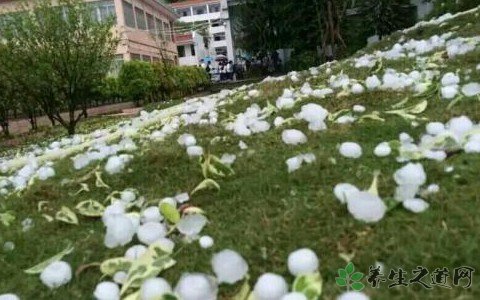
(144, 27)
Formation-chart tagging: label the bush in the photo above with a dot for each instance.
(136, 81)
(451, 6)
(141, 81)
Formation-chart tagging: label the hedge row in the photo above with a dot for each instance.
(143, 82)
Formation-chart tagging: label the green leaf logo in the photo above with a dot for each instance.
(349, 278)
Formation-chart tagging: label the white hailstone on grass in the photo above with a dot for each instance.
(56, 274)
(438, 155)
(353, 295)
(228, 159)
(206, 241)
(293, 137)
(285, 103)
(270, 286)
(302, 261)
(365, 206)
(120, 231)
(151, 214)
(27, 224)
(435, 128)
(114, 209)
(472, 147)
(120, 277)
(278, 121)
(359, 108)
(9, 297)
(229, 266)
(357, 88)
(191, 225)
(151, 232)
(372, 82)
(450, 79)
(342, 189)
(346, 120)
(449, 92)
(294, 296)
(433, 188)
(45, 172)
(182, 198)
(405, 138)
(321, 93)
(196, 286)
(383, 149)
(293, 163)
(412, 173)
(127, 196)
(107, 290)
(306, 89)
(253, 93)
(314, 114)
(194, 151)
(242, 145)
(460, 125)
(115, 164)
(350, 150)
(135, 252)
(471, 89)
(415, 205)
(154, 288)
(186, 140)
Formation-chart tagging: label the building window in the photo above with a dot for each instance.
(192, 50)
(216, 23)
(219, 36)
(146, 58)
(184, 12)
(221, 51)
(213, 8)
(150, 23)
(140, 17)
(135, 56)
(160, 33)
(128, 14)
(199, 10)
(181, 51)
(166, 29)
(103, 10)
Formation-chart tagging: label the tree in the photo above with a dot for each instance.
(61, 54)
(386, 16)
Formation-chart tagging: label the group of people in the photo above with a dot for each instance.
(225, 70)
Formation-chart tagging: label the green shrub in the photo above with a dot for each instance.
(137, 81)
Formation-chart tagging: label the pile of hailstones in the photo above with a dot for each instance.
(229, 267)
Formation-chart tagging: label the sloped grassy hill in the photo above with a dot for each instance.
(264, 212)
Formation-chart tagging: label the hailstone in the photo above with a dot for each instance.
(293, 137)
(151, 232)
(196, 286)
(154, 288)
(56, 274)
(107, 290)
(270, 286)
(229, 266)
(302, 261)
(415, 205)
(206, 241)
(365, 206)
(383, 149)
(350, 150)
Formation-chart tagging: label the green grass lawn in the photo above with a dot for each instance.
(264, 212)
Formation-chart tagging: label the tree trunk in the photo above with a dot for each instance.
(5, 129)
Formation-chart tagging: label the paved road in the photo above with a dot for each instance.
(23, 125)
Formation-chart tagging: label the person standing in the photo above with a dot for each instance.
(230, 70)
